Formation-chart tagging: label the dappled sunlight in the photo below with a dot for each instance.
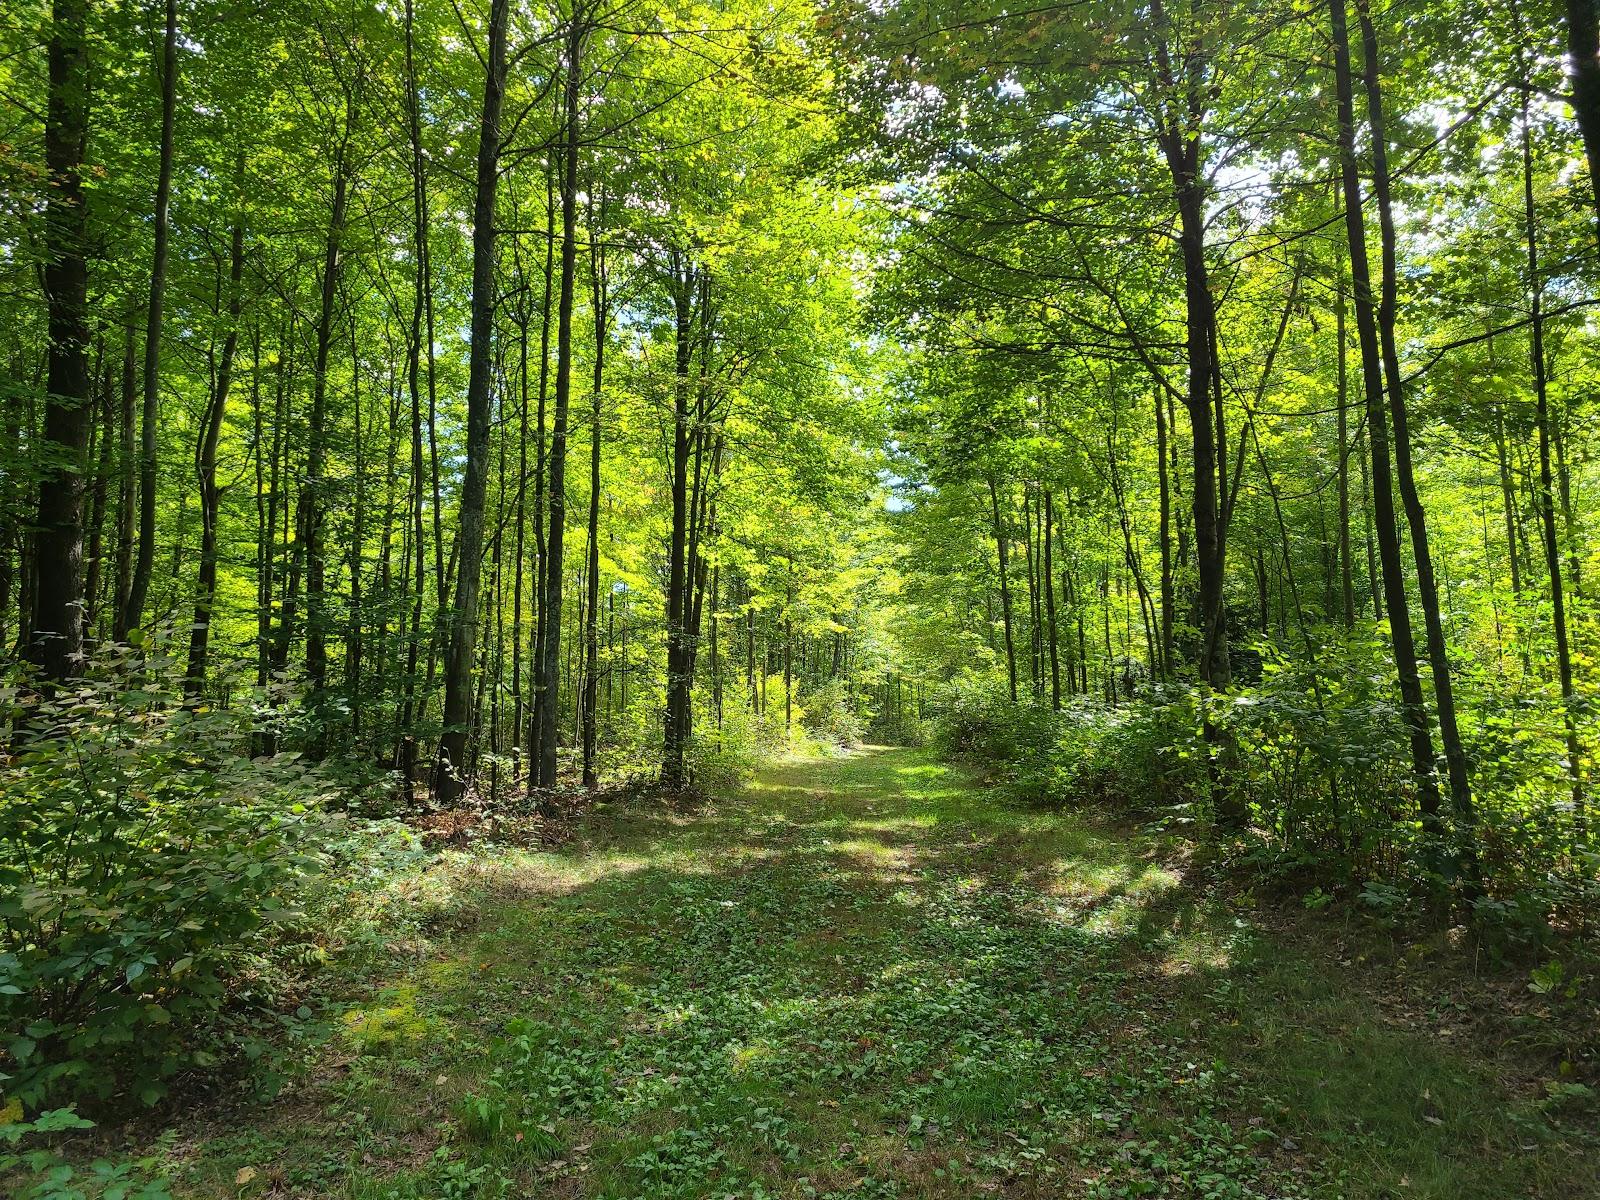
(825, 975)
(553, 874)
(1199, 952)
(921, 823)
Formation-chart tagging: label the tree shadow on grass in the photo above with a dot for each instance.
(868, 978)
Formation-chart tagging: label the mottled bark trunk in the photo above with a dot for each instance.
(449, 779)
(55, 622)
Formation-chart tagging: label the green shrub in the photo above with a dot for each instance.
(833, 714)
(142, 856)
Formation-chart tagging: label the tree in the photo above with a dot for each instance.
(55, 624)
(449, 779)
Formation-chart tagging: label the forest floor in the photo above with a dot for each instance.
(869, 977)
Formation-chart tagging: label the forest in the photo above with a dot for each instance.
(824, 599)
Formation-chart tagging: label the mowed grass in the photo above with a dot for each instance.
(870, 977)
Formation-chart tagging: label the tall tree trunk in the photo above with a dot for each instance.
(540, 464)
(406, 749)
(1164, 534)
(1412, 707)
(206, 469)
(98, 494)
(310, 511)
(449, 772)
(591, 626)
(1455, 756)
(1508, 500)
(523, 318)
(1583, 63)
(127, 476)
(1000, 539)
(1547, 507)
(1050, 599)
(553, 577)
(356, 555)
(55, 622)
(1035, 601)
(1180, 139)
(788, 657)
(152, 334)
(1347, 585)
(685, 435)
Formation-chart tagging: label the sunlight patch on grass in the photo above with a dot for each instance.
(1198, 952)
(864, 978)
(870, 852)
(920, 823)
(553, 874)
(390, 1024)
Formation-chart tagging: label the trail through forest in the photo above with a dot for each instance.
(864, 977)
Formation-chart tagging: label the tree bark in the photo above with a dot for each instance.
(1583, 64)
(127, 476)
(152, 335)
(55, 622)
(684, 436)
(1547, 506)
(206, 470)
(1005, 588)
(95, 570)
(540, 464)
(1050, 600)
(449, 779)
(591, 626)
(1455, 756)
(1347, 586)
(553, 578)
(1412, 707)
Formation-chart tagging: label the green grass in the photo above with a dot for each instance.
(870, 977)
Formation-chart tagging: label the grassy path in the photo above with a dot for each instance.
(867, 978)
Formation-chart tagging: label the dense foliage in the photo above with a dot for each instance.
(1245, 421)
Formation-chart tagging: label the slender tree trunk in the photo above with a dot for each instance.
(1347, 585)
(1050, 599)
(1427, 588)
(449, 772)
(1035, 601)
(1413, 710)
(354, 641)
(310, 511)
(591, 627)
(788, 657)
(1583, 63)
(1547, 508)
(55, 622)
(153, 321)
(558, 435)
(127, 476)
(1164, 533)
(1005, 588)
(1558, 442)
(98, 494)
(406, 749)
(1181, 142)
(540, 464)
(750, 648)
(1508, 499)
(206, 470)
(685, 435)
(263, 563)
(519, 550)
